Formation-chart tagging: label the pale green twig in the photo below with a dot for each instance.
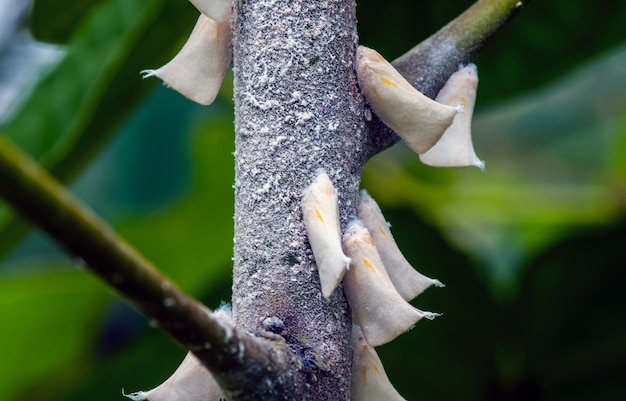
(428, 65)
(37, 196)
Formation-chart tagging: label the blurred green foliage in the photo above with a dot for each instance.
(532, 252)
(75, 108)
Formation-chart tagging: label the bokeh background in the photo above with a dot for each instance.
(533, 252)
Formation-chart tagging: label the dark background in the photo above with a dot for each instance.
(532, 251)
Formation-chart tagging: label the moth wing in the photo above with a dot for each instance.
(408, 281)
(321, 218)
(455, 148)
(376, 305)
(197, 71)
(191, 381)
(418, 120)
(369, 379)
(218, 10)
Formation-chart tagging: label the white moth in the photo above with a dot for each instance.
(376, 305)
(455, 149)
(191, 381)
(218, 10)
(408, 281)
(418, 120)
(197, 71)
(369, 380)
(321, 219)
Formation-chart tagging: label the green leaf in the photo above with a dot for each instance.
(56, 20)
(191, 239)
(571, 316)
(195, 252)
(58, 111)
(75, 109)
(47, 323)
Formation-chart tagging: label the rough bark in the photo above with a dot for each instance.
(297, 110)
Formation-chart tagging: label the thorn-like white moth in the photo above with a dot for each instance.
(455, 149)
(197, 71)
(191, 381)
(369, 380)
(218, 10)
(321, 218)
(418, 120)
(408, 281)
(376, 305)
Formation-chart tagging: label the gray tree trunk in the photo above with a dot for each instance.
(297, 110)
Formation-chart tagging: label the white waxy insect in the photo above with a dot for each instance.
(376, 305)
(369, 380)
(418, 120)
(197, 71)
(408, 281)
(455, 149)
(191, 381)
(321, 218)
(218, 10)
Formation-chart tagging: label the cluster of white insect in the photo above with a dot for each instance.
(438, 130)
(378, 280)
(378, 283)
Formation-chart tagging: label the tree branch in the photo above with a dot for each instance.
(240, 362)
(428, 65)
(297, 110)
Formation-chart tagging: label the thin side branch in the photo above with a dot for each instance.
(428, 65)
(235, 358)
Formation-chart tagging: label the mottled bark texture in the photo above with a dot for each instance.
(297, 110)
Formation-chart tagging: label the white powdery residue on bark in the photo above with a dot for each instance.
(297, 110)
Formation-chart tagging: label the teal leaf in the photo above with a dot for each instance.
(76, 108)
